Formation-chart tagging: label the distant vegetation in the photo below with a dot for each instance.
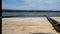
(4, 10)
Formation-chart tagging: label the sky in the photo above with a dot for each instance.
(31, 4)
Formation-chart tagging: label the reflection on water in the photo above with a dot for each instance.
(30, 14)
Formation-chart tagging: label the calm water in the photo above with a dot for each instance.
(31, 14)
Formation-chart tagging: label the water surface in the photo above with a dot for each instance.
(31, 14)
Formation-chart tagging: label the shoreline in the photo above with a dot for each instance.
(28, 25)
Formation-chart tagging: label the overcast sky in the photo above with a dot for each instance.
(31, 4)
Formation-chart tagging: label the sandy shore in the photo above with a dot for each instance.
(28, 25)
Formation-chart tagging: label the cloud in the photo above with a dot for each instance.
(32, 4)
(52, 1)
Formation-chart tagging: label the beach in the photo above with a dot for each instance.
(28, 25)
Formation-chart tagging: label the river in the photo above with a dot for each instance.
(31, 14)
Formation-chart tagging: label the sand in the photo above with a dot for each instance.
(28, 25)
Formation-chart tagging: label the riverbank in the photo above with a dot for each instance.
(7, 10)
(28, 25)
